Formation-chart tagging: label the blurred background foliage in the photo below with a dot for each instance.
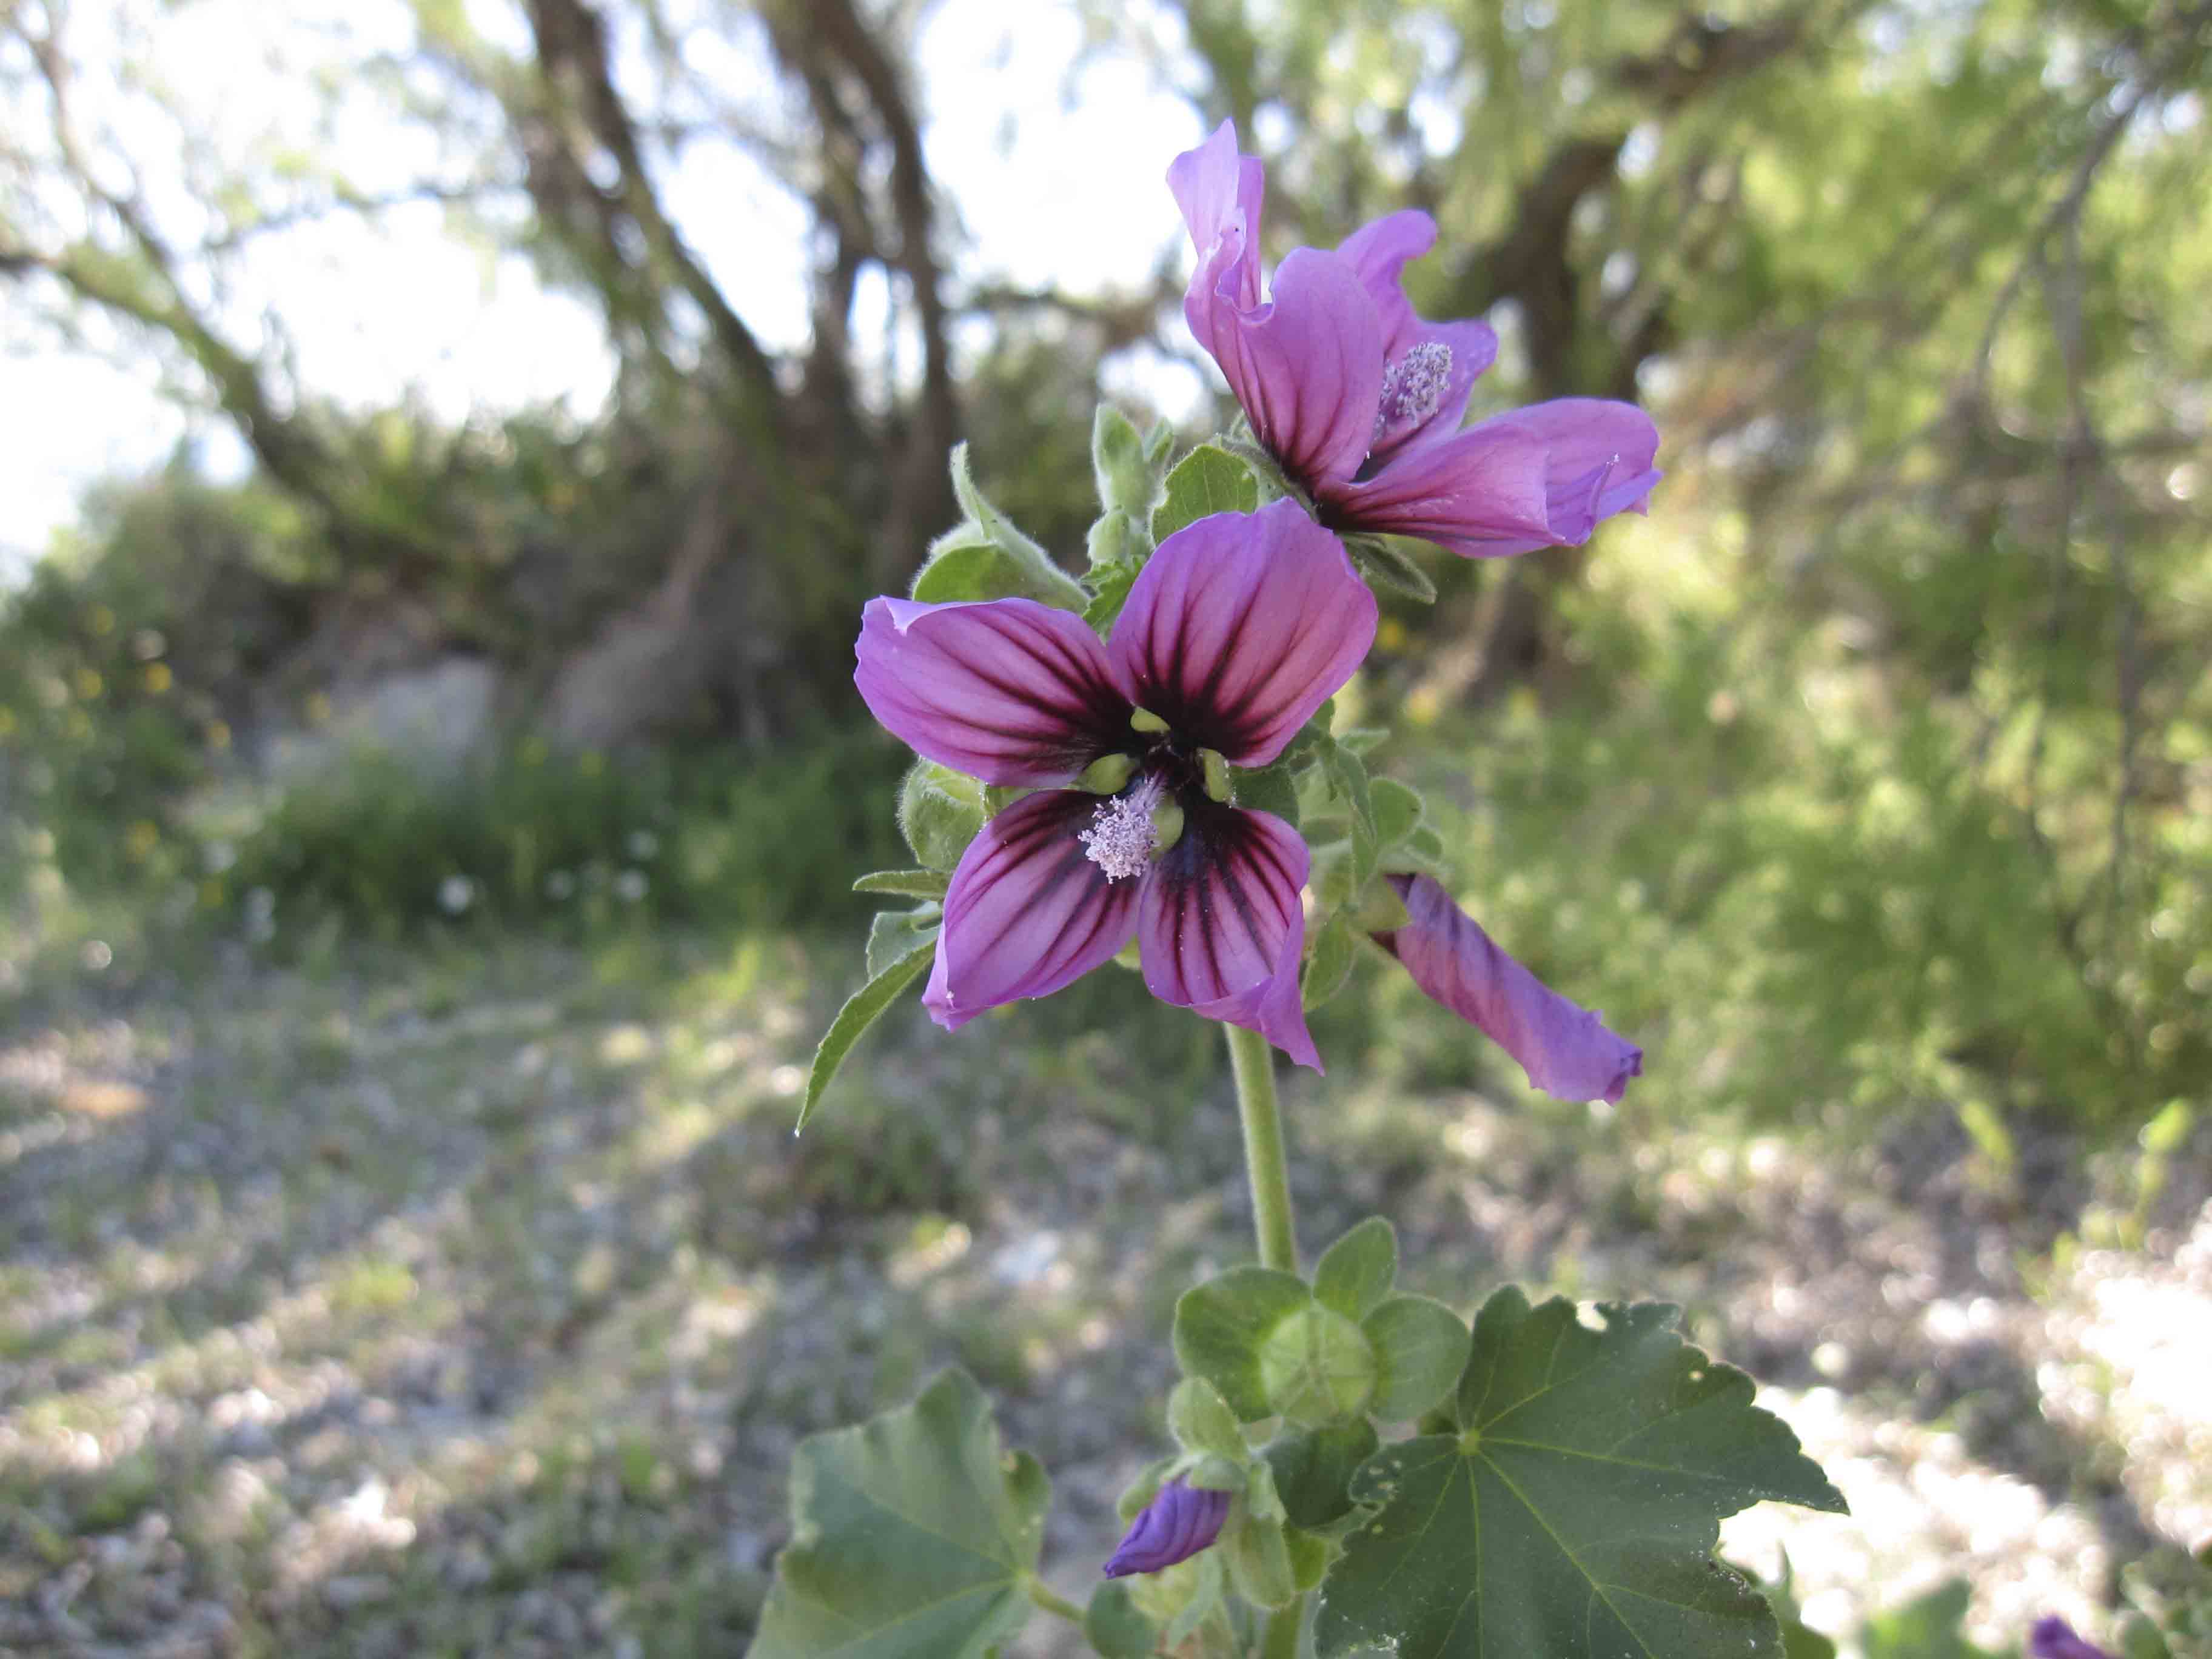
(1872, 775)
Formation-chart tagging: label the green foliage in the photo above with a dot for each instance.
(1575, 1511)
(1208, 480)
(985, 557)
(911, 1534)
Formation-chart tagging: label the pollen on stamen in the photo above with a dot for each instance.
(1120, 837)
(1413, 386)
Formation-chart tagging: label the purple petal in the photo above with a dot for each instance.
(1027, 912)
(1307, 366)
(1007, 690)
(1240, 627)
(1425, 391)
(1566, 1050)
(1220, 928)
(2054, 1638)
(1540, 477)
(1220, 193)
(1175, 1526)
(1380, 251)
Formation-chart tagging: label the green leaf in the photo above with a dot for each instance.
(985, 557)
(1144, 1488)
(1115, 1626)
(1356, 1273)
(1112, 587)
(911, 1534)
(1421, 1348)
(1310, 1557)
(1313, 1468)
(1347, 777)
(1220, 1327)
(1331, 963)
(1204, 1600)
(1200, 1419)
(1127, 478)
(1158, 441)
(939, 811)
(1385, 564)
(1208, 480)
(1258, 1560)
(1398, 809)
(894, 935)
(1377, 909)
(1117, 541)
(867, 1006)
(1574, 1516)
(906, 884)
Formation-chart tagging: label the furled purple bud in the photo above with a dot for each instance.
(2054, 1638)
(1175, 1526)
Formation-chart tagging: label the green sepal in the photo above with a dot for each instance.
(1310, 1554)
(1378, 909)
(905, 884)
(1355, 1274)
(1330, 965)
(1212, 1472)
(1318, 1366)
(1205, 1599)
(939, 811)
(863, 1009)
(1274, 483)
(1144, 1488)
(1313, 1468)
(1268, 789)
(1364, 740)
(1398, 809)
(1115, 1626)
(1422, 853)
(1421, 1348)
(1157, 442)
(894, 935)
(1385, 564)
(985, 557)
(1258, 1560)
(1127, 480)
(1208, 480)
(1221, 1326)
(861, 1574)
(1116, 541)
(1200, 1420)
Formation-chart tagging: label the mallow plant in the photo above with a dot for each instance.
(1142, 767)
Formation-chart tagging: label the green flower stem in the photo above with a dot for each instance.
(1046, 1597)
(1281, 1640)
(1254, 1063)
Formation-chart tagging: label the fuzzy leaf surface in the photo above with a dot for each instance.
(1207, 481)
(1574, 1514)
(914, 1532)
(862, 1009)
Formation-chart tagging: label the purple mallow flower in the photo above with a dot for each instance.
(1237, 631)
(2054, 1638)
(1360, 400)
(1175, 1526)
(1565, 1049)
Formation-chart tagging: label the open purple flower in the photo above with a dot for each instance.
(1566, 1050)
(1179, 1522)
(1238, 629)
(2052, 1637)
(1360, 400)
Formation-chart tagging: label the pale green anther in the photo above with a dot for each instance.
(1107, 774)
(1216, 766)
(1167, 826)
(1143, 719)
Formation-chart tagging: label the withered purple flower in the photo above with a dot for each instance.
(1238, 629)
(1179, 1522)
(1360, 400)
(1566, 1050)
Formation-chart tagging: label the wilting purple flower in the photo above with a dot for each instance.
(2054, 1638)
(1360, 400)
(1237, 631)
(1566, 1050)
(1175, 1526)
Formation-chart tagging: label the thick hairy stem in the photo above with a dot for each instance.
(1265, 1166)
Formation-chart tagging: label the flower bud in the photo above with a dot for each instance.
(1179, 1522)
(1318, 1366)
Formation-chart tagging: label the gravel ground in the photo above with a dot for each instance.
(472, 1303)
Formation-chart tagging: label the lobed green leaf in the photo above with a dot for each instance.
(863, 1008)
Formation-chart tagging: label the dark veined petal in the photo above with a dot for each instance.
(1597, 462)
(1177, 1524)
(1425, 390)
(1476, 486)
(1220, 193)
(1240, 627)
(1007, 690)
(1566, 1050)
(1027, 912)
(1220, 928)
(1307, 365)
(1379, 250)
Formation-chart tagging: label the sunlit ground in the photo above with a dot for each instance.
(471, 1300)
